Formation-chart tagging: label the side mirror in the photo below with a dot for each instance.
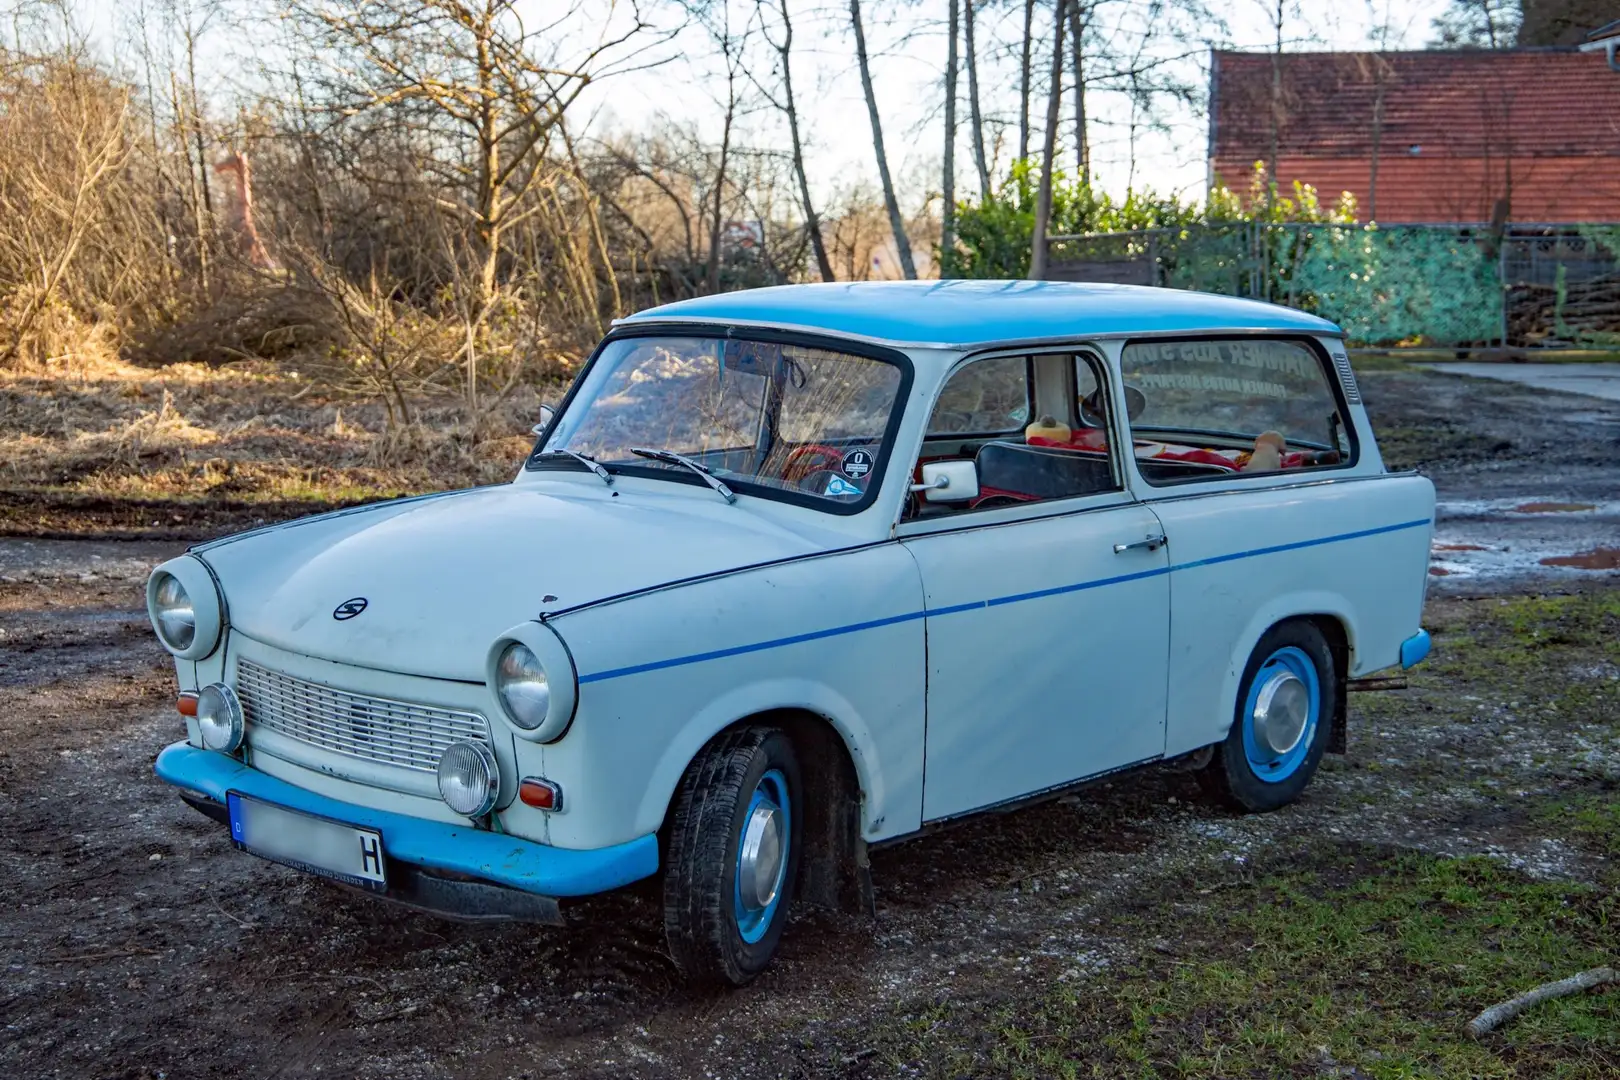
(547, 414)
(949, 481)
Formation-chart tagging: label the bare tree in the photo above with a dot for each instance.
(789, 107)
(1025, 73)
(1077, 47)
(1043, 198)
(897, 224)
(65, 140)
(473, 74)
(947, 239)
(975, 111)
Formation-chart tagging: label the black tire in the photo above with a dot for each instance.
(711, 809)
(1237, 774)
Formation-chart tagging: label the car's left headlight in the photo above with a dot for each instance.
(184, 605)
(533, 678)
(521, 681)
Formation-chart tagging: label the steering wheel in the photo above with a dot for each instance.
(1091, 406)
(810, 458)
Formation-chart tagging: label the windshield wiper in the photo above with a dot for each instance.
(672, 458)
(584, 459)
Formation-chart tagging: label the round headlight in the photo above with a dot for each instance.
(173, 613)
(469, 780)
(523, 687)
(219, 717)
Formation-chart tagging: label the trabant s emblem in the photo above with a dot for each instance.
(349, 609)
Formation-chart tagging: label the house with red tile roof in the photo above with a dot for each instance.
(1522, 135)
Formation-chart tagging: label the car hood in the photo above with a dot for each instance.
(442, 576)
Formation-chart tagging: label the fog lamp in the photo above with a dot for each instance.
(219, 718)
(468, 778)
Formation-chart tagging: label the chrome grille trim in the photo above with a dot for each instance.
(371, 728)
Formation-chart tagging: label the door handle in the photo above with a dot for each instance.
(1151, 543)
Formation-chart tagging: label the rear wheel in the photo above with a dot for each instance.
(1283, 722)
(733, 853)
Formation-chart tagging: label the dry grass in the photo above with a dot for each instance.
(96, 431)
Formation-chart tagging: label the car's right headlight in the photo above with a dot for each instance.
(533, 677)
(185, 608)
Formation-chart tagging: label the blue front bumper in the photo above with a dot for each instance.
(433, 845)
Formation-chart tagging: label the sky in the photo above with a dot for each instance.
(907, 41)
(909, 58)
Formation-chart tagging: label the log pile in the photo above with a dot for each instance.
(1590, 307)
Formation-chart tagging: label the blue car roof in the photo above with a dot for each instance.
(967, 313)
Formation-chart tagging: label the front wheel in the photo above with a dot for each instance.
(1283, 723)
(733, 853)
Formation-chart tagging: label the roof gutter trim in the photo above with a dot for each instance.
(1328, 330)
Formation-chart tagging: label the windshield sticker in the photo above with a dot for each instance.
(838, 487)
(857, 463)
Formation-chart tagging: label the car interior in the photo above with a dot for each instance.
(1038, 429)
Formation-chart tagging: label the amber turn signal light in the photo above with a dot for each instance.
(540, 794)
(187, 704)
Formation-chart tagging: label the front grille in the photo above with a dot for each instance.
(362, 726)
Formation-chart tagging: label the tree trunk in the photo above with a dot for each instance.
(818, 243)
(975, 114)
(1024, 77)
(1276, 110)
(1054, 106)
(947, 232)
(896, 222)
(1082, 143)
(720, 182)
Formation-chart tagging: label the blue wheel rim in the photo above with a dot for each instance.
(771, 795)
(1266, 764)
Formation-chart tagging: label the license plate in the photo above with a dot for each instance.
(316, 845)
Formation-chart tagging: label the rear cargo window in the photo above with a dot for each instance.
(1215, 408)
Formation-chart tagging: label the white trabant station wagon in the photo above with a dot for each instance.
(800, 570)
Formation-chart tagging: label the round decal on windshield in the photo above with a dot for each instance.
(857, 463)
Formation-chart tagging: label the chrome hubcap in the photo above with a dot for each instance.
(759, 863)
(1281, 711)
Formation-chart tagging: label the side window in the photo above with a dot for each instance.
(1022, 450)
(988, 397)
(1207, 410)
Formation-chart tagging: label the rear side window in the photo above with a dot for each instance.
(1216, 408)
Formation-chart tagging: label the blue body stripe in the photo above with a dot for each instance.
(977, 605)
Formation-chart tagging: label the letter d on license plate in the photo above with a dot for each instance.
(317, 845)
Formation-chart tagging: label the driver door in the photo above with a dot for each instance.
(1047, 610)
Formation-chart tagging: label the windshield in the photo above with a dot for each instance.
(782, 421)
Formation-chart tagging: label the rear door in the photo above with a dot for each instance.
(1047, 615)
(1245, 448)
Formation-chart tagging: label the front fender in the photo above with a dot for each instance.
(763, 696)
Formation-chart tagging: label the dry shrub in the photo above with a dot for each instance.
(257, 315)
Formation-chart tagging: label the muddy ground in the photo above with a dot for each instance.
(1463, 850)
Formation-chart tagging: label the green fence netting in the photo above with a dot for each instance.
(1386, 285)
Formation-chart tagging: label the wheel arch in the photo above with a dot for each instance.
(1332, 615)
(833, 869)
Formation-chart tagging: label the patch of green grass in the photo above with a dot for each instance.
(1590, 819)
(1545, 657)
(1347, 958)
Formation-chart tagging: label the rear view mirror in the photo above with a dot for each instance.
(546, 415)
(949, 481)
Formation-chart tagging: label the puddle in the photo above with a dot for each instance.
(1522, 509)
(1597, 559)
(1553, 508)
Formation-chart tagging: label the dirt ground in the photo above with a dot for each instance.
(1464, 850)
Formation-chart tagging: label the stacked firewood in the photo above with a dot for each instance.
(1589, 307)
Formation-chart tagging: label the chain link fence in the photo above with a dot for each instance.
(1449, 286)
